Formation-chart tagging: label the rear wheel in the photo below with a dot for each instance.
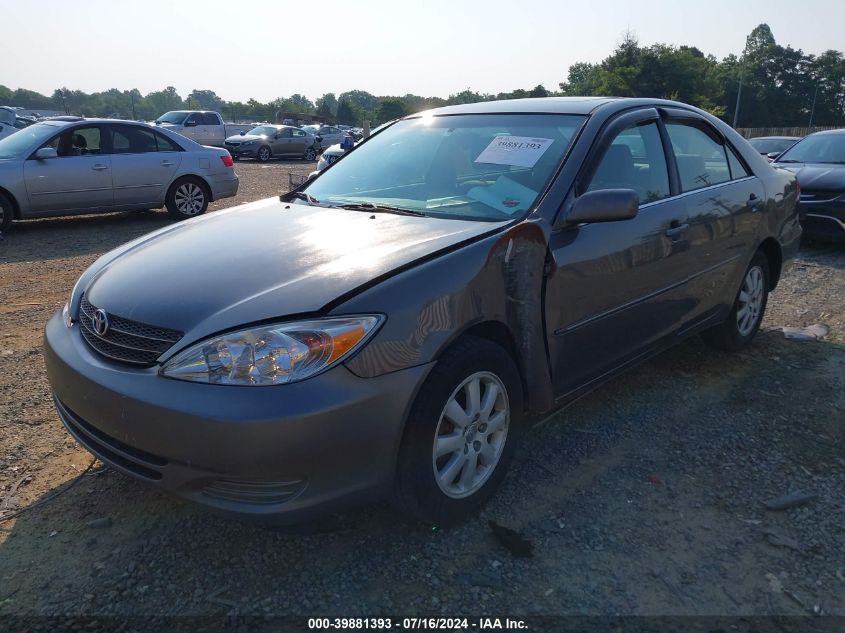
(310, 154)
(460, 434)
(187, 198)
(6, 212)
(264, 154)
(748, 309)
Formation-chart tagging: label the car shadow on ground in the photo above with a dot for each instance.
(643, 497)
(71, 236)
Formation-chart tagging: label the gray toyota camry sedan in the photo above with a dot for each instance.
(391, 327)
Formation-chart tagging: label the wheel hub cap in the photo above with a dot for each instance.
(750, 301)
(470, 435)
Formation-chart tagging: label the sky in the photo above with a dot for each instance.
(265, 49)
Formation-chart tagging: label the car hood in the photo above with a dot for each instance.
(237, 138)
(817, 176)
(262, 261)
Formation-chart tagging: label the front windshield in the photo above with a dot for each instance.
(769, 145)
(818, 148)
(263, 130)
(18, 144)
(474, 166)
(174, 117)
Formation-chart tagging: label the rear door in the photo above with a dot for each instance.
(144, 163)
(214, 132)
(614, 289)
(79, 179)
(722, 197)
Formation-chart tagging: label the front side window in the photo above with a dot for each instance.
(195, 118)
(489, 167)
(20, 143)
(177, 117)
(81, 141)
(701, 159)
(634, 160)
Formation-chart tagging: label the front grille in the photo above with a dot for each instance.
(126, 341)
(259, 492)
(109, 449)
(810, 195)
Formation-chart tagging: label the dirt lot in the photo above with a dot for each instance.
(646, 497)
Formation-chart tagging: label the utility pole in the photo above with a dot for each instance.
(741, 74)
(132, 99)
(813, 109)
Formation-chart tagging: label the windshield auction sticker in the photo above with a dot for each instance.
(517, 151)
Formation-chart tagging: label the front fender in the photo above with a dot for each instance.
(496, 279)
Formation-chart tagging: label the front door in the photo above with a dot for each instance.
(614, 289)
(79, 179)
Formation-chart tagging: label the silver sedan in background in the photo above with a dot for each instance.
(93, 165)
(266, 141)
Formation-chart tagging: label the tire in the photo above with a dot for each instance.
(454, 493)
(7, 212)
(310, 154)
(187, 198)
(263, 154)
(738, 330)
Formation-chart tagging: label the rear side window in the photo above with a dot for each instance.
(165, 144)
(635, 160)
(210, 118)
(738, 169)
(701, 158)
(132, 140)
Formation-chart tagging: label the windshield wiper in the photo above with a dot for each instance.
(300, 195)
(789, 160)
(379, 208)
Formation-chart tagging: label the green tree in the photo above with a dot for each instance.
(391, 108)
(348, 113)
(327, 105)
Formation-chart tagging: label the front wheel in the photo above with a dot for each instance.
(747, 311)
(264, 154)
(460, 434)
(6, 212)
(187, 198)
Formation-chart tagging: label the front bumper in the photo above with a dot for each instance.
(240, 152)
(823, 219)
(285, 453)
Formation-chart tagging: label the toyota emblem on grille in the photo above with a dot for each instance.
(100, 322)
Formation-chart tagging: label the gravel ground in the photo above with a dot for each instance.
(646, 497)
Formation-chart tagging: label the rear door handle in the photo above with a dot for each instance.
(99, 167)
(167, 163)
(676, 229)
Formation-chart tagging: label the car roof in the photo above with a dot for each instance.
(829, 132)
(539, 105)
(775, 138)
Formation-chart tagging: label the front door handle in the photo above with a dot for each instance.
(167, 163)
(99, 167)
(676, 229)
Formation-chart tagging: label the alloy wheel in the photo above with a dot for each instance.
(470, 435)
(750, 301)
(189, 198)
(264, 154)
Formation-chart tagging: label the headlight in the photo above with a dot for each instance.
(273, 354)
(66, 315)
(249, 143)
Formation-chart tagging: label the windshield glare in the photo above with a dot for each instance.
(263, 130)
(19, 143)
(480, 167)
(821, 148)
(175, 117)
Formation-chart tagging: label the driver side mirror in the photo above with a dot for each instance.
(243, 133)
(319, 138)
(604, 205)
(45, 153)
(773, 155)
(190, 123)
